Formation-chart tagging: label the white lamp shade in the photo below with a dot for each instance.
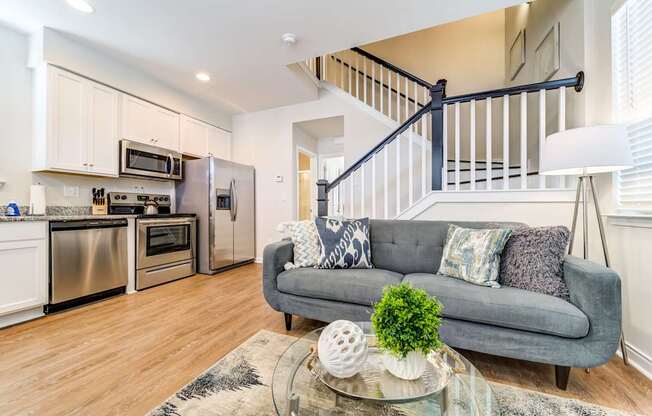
(586, 151)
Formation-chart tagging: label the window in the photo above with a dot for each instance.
(632, 96)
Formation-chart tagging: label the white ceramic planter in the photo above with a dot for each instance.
(409, 368)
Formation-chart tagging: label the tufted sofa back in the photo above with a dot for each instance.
(415, 246)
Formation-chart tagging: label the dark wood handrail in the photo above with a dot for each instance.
(576, 82)
(394, 68)
(382, 85)
(377, 148)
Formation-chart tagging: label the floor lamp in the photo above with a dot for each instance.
(585, 152)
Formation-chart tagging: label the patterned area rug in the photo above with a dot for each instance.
(240, 384)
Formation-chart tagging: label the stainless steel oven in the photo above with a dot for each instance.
(165, 250)
(137, 159)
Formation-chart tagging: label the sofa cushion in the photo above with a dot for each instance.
(361, 286)
(506, 306)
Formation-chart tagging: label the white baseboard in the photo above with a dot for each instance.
(638, 359)
(258, 260)
(22, 316)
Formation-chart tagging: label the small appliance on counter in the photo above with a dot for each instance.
(165, 242)
(37, 200)
(12, 209)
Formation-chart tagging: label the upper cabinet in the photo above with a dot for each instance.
(76, 124)
(149, 124)
(201, 139)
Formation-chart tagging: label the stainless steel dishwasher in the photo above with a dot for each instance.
(88, 261)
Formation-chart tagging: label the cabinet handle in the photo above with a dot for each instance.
(91, 164)
(85, 164)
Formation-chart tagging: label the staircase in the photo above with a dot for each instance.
(485, 141)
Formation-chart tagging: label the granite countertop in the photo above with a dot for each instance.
(60, 213)
(26, 218)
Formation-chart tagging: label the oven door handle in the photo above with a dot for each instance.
(170, 221)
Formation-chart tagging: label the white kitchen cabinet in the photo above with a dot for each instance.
(219, 143)
(76, 124)
(149, 124)
(201, 139)
(24, 260)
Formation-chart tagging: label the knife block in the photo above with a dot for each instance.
(99, 209)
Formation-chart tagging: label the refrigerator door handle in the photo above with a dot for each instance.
(235, 201)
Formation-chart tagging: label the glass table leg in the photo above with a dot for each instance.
(293, 405)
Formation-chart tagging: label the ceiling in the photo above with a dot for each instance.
(321, 128)
(236, 41)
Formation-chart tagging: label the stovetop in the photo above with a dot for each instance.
(179, 215)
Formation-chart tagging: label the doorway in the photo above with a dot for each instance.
(306, 184)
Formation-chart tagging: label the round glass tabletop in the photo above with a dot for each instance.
(298, 392)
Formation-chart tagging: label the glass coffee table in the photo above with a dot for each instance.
(297, 391)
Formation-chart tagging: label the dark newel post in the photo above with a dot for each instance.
(437, 94)
(318, 69)
(322, 198)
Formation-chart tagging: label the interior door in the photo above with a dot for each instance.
(221, 211)
(103, 129)
(244, 230)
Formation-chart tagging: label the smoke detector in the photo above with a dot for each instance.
(289, 38)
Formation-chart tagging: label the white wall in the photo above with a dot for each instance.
(16, 115)
(264, 139)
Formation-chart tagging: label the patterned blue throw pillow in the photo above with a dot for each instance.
(344, 243)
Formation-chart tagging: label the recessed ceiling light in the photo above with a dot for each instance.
(289, 38)
(203, 76)
(81, 5)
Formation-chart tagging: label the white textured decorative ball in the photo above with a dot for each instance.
(342, 349)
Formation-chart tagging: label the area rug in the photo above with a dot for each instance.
(240, 384)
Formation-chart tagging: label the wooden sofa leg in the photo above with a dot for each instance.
(288, 321)
(561, 376)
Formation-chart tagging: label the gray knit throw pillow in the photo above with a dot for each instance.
(533, 259)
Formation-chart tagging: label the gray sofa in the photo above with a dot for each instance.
(507, 322)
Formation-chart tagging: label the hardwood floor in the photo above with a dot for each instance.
(125, 355)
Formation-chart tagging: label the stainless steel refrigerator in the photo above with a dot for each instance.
(221, 193)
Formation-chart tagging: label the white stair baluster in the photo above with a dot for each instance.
(472, 147)
(542, 134)
(424, 145)
(410, 167)
(357, 65)
(524, 140)
(363, 196)
(506, 142)
(352, 202)
(407, 99)
(488, 145)
(457, 146)
(562, 124)
(325, 62)
(373, 185)
(364, 77)
(389, 94)
(398, 174)
(382, 88)
(322, 70)
(342, 73)
(416, 101)
(386, 181)
(444, 174)
(350, 85)
(373, 84)
(398, 98)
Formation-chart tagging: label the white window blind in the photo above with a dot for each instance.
(632, 94)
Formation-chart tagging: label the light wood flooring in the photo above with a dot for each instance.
(125, 355)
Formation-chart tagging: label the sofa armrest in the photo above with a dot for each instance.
(275, 256)
(595, 289)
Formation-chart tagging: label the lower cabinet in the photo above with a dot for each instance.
(24, 261)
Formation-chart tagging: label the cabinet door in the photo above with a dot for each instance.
(24, 280)
(165, 128)
(136, 119)
(193, 137)
(67, 121)
(218, 143)
(102, 129)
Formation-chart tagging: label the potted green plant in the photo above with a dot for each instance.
(406, 321)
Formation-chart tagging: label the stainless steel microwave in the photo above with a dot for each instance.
(142, 160)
